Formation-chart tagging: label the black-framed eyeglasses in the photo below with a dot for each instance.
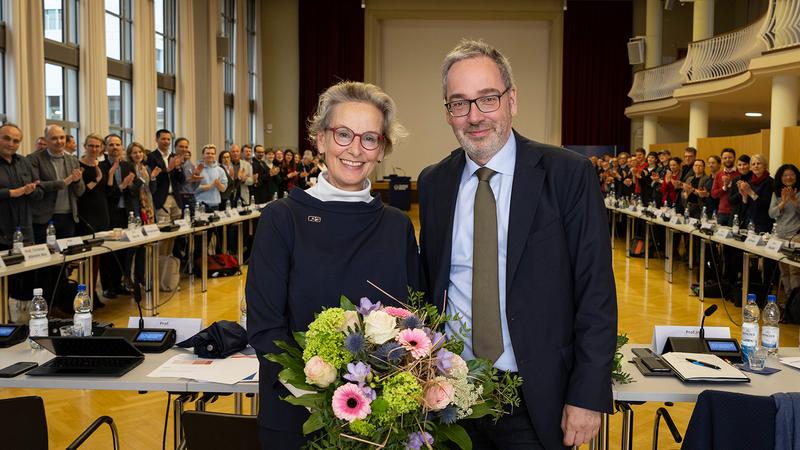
(370, 140)
(485, 104)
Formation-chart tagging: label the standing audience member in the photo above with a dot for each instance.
(754, 189)
(142, 204)
(735, 199)
(213, 179)
(224, 161)
(244, 175)
(60, 177)
(624, 186)
(72, 145)
(671, 186)
(695, 189)
(166, 198)
(19, 194)
(247, 153)
(784, 208)
(307, 170)
(93, 205)
(714, 165)
(689, 156)
(723, 182)
(261, 175)
(289, 171)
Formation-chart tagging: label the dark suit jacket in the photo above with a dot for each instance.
(129, 195)
(164, 179)
(561, 303)
(51, 183)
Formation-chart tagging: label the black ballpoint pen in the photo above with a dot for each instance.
(704, 364)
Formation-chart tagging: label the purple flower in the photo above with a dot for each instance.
(357, 373)
(437, 339)
(418, 440)
(367, 306)
(443, 360)
(369, 392)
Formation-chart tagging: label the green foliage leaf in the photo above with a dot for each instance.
(290, 349)
(296, 379)
(458, 435)
(346, 304)
(379, 406)
(313, 423)
(300, 338)
(286, 360)
(307, 400)
(480, 410)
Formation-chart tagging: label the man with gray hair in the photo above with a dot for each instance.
(515, 233)
(60, 176)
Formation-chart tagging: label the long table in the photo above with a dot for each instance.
(151, 244)
(671, 389)
(135, 380)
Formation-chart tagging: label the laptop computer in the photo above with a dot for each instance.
(93, 356)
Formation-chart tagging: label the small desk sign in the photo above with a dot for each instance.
(775, 245)
(675, 220)
(183, 223)
(134, 235)
(723, 233)
(185, 327)
(33, 253)
(662, 332)
(692, 221)
(63, 244)
(754, 239)
(152, 230)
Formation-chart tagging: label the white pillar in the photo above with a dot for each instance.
(698, 121)
(653, 33)
(649, 131)
(94, 69)
(703, 19)
(185, 106)
(144, 73)
(783, 113)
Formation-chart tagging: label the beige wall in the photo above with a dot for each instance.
(280, 72)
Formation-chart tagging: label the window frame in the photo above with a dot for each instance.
(169, 37)
(125, 18)
(70, 88)
(70, 23)
(125, 128)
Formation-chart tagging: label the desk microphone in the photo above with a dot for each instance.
(709, 311)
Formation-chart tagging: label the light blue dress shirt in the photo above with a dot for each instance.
(459, 292)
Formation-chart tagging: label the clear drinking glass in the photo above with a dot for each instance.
(758, 358)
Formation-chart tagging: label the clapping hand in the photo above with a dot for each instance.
(242, 174)
(687, 188)
(73, 177)
(127, 181)
(219, 184)
(788, 194)
(744, 188)
(98, 172)
(155, 172)
(627, 182)
(23, 190)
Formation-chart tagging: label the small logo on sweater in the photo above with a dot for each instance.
(315, 219)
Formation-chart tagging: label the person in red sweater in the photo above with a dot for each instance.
(672, 185)
(723, 182)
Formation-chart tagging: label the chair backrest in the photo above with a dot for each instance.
(213, 431)
(23, 424)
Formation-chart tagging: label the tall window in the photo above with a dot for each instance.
(229, 29)
(165, 36)
(61, 97)
(228, 126)
(251, 67)
(119, 24)
(120, 108)
(165, 110)
(61, 21)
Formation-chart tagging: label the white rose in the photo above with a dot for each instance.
(350, 321)
(319, 372)
(380, 327)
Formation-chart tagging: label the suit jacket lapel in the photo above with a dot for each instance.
(445, 209)
(525, 194)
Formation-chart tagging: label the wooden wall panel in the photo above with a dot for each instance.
(791, 145)
(750, 144)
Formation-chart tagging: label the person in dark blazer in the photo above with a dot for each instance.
(166, 197)
(553, 294)
(60, 177)
(300, 265)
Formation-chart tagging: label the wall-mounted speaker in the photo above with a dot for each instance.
(636, 50)
(223, 44)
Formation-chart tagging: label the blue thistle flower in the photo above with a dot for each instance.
(391, 352)
(410, 322)
(355, 343)
(448, 415)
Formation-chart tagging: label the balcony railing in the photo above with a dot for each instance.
(656, 83)
(724, 55)
(783, 24)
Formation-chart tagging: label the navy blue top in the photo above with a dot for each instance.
(306, 254)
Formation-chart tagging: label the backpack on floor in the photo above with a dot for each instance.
(636, 248)
(220, 265)
(169, 268)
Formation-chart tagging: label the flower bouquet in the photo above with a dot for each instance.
(387, 377)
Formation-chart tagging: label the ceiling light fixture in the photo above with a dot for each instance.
(753, 114)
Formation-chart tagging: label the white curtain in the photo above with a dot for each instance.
(241, 98)
(94, 68)
(144, 73)
(209, 97)
(185, 105)
(259, 79)
(25, 70)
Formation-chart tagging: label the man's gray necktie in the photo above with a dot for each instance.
(487, 335)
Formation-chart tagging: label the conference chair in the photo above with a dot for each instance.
(23, 425)
(213, 431)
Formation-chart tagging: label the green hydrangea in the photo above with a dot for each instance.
(402, 392)
(362, 427)
(325, 339)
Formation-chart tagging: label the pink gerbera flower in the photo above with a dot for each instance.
(416, 341)
(351, 403)
(397, 312)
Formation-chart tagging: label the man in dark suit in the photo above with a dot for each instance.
(515, 233)
(166, 197)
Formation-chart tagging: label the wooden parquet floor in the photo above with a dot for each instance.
(645, 299)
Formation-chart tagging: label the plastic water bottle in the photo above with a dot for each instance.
(714, 218)
(198, 209)
(703, 216)
(735, 224)
(187, 214)
(38, 326)
(686, 214)
(131, 220)
(770, 329)
(243, 313)
(252, 201)
(274, 196)
(774, 232)
(50, 232)
(750, 315)
(751, 228)
(83, 311)
(17, 241)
